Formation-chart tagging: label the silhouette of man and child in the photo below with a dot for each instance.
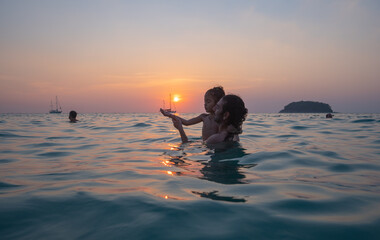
(223, 120)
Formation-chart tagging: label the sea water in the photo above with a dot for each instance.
(127, 176)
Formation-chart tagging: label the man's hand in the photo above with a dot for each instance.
(177, 123)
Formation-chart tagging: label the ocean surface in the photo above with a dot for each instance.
(127, 176)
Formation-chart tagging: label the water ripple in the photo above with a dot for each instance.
(11, 135)
(55, 154)
(300, 127)
(138, 125)
(369, 120)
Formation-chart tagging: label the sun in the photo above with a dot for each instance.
(176, 99)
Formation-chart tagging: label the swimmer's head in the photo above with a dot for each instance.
(73, 116)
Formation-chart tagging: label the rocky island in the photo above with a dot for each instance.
(307, 107)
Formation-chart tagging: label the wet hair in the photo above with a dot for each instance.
(217, 93)
(73, 114)
(236, 107)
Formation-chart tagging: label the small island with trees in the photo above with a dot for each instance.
(307, 107)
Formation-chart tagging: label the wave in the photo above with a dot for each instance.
(138, 125)
(12, 135)
(55, 154)
(368, 120)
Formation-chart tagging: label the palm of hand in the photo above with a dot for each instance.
(165, 113)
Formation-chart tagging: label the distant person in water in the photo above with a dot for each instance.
(230, 113)
(329, 115)
(73, 116)
(210, 126)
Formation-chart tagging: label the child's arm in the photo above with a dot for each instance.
(184, 121)
(178, 124)
(193, 121)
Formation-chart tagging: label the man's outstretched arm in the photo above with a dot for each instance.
(178, 124)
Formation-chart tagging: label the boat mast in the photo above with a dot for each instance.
(56, 103)
(170, 102)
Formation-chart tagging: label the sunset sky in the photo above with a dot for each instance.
(127, 56)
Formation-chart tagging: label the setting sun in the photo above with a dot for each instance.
(176, 99)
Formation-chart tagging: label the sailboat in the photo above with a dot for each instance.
(169, 110)
(52, 110)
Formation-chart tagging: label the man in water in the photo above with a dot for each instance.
(230, 113)
(73, 116)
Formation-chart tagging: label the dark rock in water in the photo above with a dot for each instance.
(307, 107)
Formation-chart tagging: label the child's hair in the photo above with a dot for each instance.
(217, 93)
(73, 114)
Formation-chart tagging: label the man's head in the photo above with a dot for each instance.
(73, 116)
(230, 110)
